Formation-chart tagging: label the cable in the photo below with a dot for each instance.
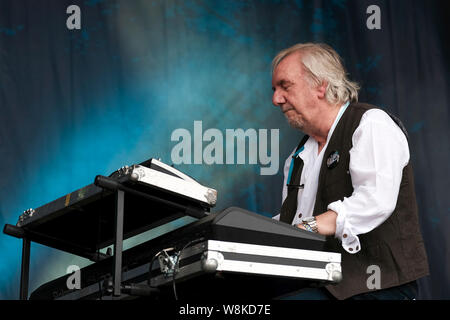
(177, 263)
(151, 264)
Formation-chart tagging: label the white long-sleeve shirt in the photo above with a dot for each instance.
(379, 154)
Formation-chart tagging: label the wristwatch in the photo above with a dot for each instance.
(310, 224)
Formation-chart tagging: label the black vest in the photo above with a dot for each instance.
(396, 246)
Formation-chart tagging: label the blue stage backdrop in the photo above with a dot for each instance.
(87, 86)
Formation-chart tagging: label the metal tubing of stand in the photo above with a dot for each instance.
(25, 269)
(111, 184)
(118, 243)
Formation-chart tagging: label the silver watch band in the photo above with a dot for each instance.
(312, 223)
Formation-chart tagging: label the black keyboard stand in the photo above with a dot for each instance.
(119, 190)
(117, 257)
(25, 267)
(118, 243)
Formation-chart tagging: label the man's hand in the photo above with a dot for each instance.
(301, 226)
(326, 223)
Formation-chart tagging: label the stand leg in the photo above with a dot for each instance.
(25, 270)
(118, 243)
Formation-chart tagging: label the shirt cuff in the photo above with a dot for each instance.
(277, 217)
(350, 241)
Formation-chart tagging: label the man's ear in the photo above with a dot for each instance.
(321, 90)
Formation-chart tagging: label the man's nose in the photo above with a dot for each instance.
(278, 99)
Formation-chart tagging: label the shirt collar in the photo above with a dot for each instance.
(338, 117)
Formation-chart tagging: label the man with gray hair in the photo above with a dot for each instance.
(350, 178)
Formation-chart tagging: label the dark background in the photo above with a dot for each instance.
(77, 103)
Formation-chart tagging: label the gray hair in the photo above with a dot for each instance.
(322, 63)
